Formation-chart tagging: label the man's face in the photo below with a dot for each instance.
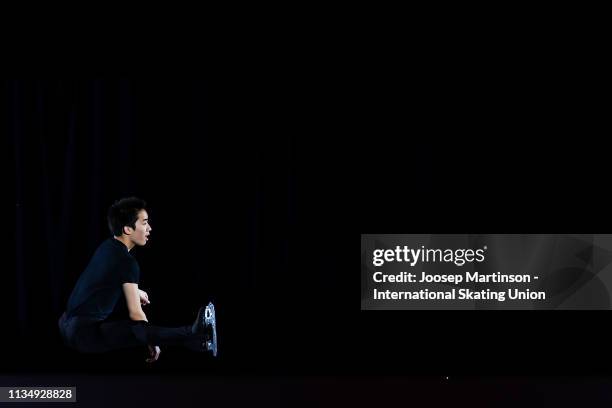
(140, 235)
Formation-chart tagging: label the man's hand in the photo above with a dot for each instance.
(153, 354)
(144, 298)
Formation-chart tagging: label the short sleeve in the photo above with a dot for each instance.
(129, 271)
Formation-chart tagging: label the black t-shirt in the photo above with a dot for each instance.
(99, 287)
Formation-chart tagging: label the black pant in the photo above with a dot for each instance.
(89, 335)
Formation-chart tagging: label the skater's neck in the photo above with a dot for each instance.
(125, 241)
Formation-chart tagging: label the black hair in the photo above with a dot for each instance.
(124, 212)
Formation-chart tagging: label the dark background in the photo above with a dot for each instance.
(239, 193)
(259, 188)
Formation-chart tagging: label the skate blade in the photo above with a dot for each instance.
(211, 320)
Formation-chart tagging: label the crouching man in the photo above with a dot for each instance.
(112, 274)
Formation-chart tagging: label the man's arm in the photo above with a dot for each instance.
(132, 298)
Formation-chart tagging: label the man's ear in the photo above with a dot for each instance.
(127, 230)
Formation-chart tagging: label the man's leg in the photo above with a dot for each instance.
(82, 334)
(128, 333)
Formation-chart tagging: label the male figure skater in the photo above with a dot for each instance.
(113, 274)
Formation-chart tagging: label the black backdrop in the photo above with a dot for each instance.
(231, 220)
(259, 188)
